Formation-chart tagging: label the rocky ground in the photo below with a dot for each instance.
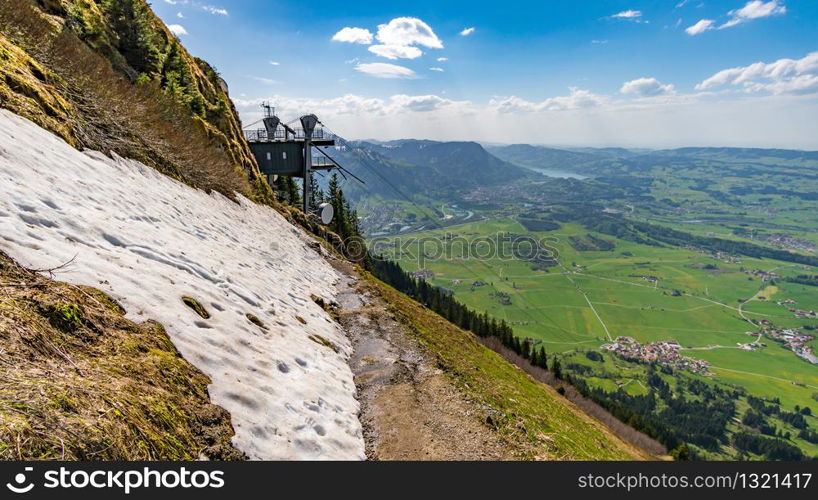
(410, 410)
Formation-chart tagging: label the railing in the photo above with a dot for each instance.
(322, 161)
(261, 135)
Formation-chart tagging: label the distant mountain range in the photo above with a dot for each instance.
(603, 161)
(425, 168)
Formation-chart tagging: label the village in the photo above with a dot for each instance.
(764, 275)
(799, 313)
(720, 256)
(792, 338)
(666, 353)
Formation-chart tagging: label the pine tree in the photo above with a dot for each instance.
(526, 349)
(132, 21)
(535, 357)
(556, 368)
(316, 194)
(543, 359)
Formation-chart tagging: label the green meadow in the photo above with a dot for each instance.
(645, 292)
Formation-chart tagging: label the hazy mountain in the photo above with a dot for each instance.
(423, 167)
(543, 157)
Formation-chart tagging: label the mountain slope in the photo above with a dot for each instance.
(110, 76)
(234, 284)
(96, 403)
(464, 162)
(542, 157)
(245, 298)
(424, 167)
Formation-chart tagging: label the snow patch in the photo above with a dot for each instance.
(149, 240)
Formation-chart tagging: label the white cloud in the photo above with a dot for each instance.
(400, 38)
(408, 31)
(435, 68)
(196, 5)
(396, 51)
(265, 81)
(177, 29)
(628, 14)
(355, 105)
(385, 70)
(442, 59)
(755, 9)
(646, 87)
(704, 119)
(467, 31)
(422, 103)
(214, 10)
(599, 42)
(353, 35)
(784, 76)
(700, 27)
(274, 63)
(577, 99)
(180, 15)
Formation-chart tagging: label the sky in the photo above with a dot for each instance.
(631, 73)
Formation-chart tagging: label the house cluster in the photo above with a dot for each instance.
(726, 257)
(747, 347)
(649, 279)
(423, 274)
(799, 313)
(666, 353)
(792, 338)
(802, 313)
(764, 275)
(788, 242)
(720, 256)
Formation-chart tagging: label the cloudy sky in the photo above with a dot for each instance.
(636, 73)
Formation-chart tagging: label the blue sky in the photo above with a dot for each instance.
(633, 73)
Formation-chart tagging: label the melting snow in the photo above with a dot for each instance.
(148, 241)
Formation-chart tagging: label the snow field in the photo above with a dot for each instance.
(148, 240)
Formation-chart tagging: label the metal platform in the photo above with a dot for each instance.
(282, 150)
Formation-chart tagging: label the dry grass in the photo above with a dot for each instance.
(78, 381)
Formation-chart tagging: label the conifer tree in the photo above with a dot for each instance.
(556, 368)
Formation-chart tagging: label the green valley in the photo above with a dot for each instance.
(670, 258)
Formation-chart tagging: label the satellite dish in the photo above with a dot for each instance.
(326, 212)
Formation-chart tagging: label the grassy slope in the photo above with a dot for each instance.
(78, 381)
(530, 415)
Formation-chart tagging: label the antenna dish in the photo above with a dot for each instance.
(326, 212)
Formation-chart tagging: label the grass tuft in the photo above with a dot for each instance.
(196, 306)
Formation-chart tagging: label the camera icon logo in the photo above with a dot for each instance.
(20, 485)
